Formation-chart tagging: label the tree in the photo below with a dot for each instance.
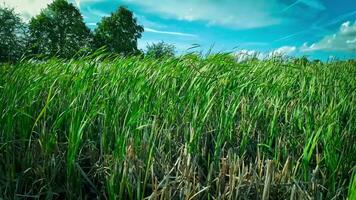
(59, 30)
(12, 35)
(160, 50)
(303, 61)
(118, 32)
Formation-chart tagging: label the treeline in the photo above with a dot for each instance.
(60, 31)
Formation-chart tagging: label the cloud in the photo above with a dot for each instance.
(78, 3)
(351, 41)
(317, 27)
(343, 40)
(246, 54)
(230, 13)
(30, 8)
(91, 24)
(96, 12)
(291, 35)
(341, 18)
(315, 4)
(27, 8)
(285, 50)
(169, 32)
(149, 23)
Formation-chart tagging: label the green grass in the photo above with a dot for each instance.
(180, 128)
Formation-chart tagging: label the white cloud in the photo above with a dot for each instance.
(343, 40)
(27, 8)
(78, 3)
(246, 54)
(91, 24)
(231, 13)
(30, 8)
(285, 50)
(348, 28)
(170, 32)
(351, 41)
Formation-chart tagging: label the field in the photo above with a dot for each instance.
(178, 128)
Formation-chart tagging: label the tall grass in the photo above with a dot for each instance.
(180, 128)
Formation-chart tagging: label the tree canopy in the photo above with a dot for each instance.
(59, 30)
(160, 50)
(12, 35)
(119, 32)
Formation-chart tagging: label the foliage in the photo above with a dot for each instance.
(59, 30)
(160, 50)
(301, 61)
(12, 35)
(177, 128)
(118, 32)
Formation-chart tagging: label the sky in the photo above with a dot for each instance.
(319, 29)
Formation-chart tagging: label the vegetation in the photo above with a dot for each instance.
(116, 126)
(59, 30)
(160, 50)
(177, 128)
(12, 35)
(119, 32)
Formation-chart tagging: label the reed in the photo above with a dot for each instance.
(178, 128)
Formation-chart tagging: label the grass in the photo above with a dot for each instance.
(180, 128)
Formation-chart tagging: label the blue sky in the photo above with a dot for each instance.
(317, 28)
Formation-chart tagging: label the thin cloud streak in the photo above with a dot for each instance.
(292, 5)
(229, 13)
(315, 4)
(336, 20)
(169, 32)
(341, 18)
(97, 12)
(290, 36)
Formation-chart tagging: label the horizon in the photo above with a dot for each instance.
(316, 29)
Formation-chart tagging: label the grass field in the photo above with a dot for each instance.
(180, 128)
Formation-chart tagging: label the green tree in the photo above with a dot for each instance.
(303, 61)
(12, 35)
(160, 50)
(59, 30)
(118, 32)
